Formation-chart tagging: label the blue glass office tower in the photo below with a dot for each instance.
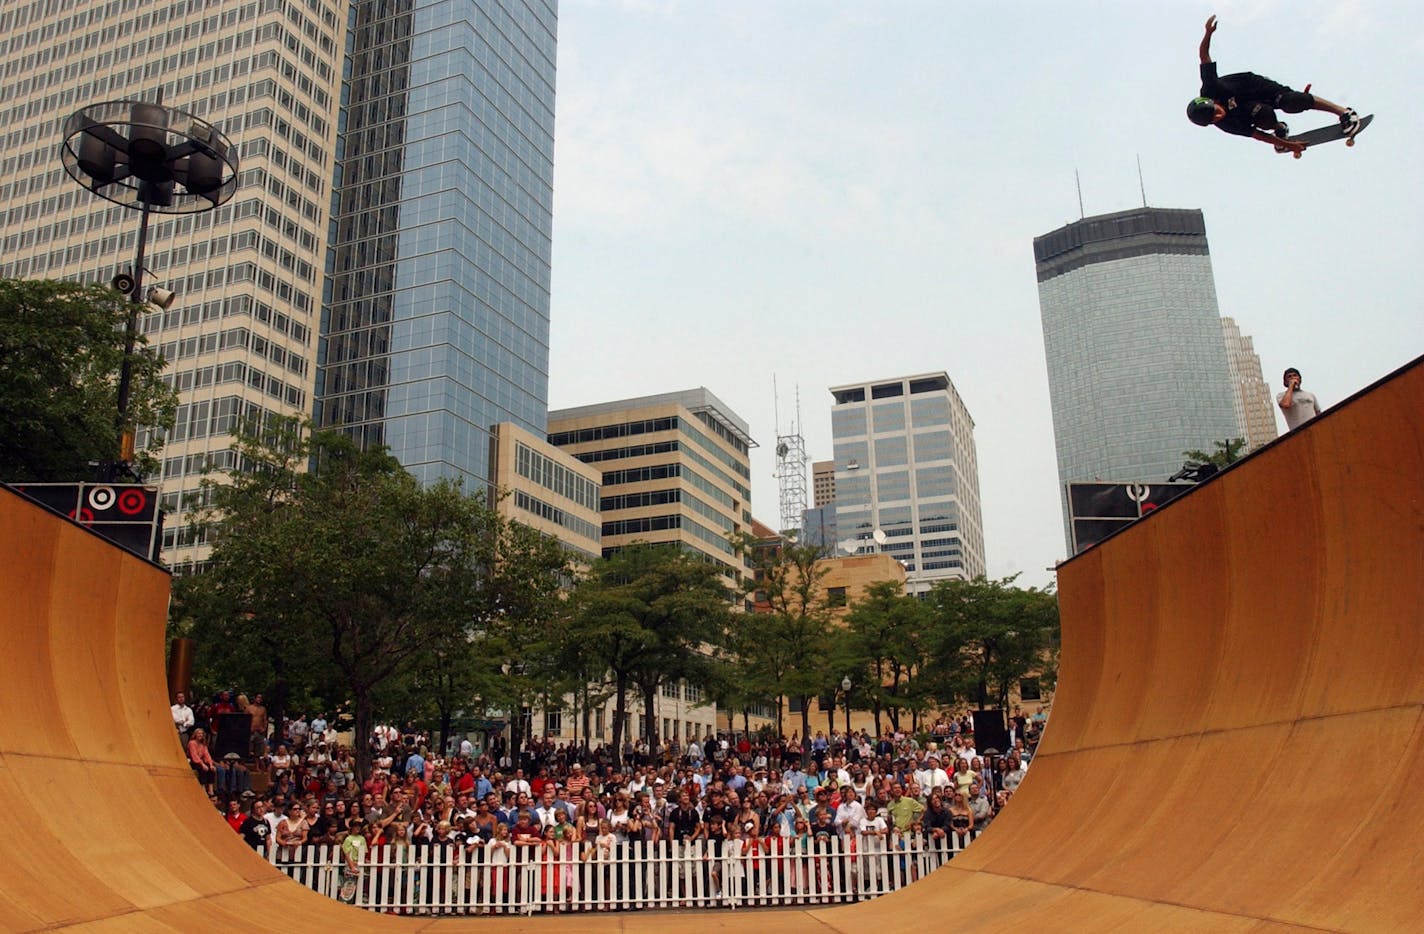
(435, 324)
(1137, 364)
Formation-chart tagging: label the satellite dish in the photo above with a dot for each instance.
(879, 536)
(848, 545)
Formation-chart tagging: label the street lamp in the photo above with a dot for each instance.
(149, 158)
(845, 688)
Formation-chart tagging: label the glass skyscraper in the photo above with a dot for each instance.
(1137, 368)
(384, 264)
(907, 477)
(437, 324)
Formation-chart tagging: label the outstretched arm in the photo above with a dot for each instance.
(1279, 142)
(1204, 50)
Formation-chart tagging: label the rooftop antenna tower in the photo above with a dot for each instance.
(791, 462)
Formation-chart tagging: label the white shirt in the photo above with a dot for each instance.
(852, 813)
(1303, 408)
(183, 717)
(518, 786)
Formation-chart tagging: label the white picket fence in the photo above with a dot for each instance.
(666, 874)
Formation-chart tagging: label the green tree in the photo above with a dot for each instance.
(1225, 454)
(648, 615)
(886, 639)
(520, 611)
(233, 616)
(61, 349)
(988, 634)
(348, 573)
(787, 653)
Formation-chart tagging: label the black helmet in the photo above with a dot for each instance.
(1202, 111)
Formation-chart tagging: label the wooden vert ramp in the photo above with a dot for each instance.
(1235, 743)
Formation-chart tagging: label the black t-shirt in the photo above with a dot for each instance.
(716, 835)
(321, 827)
(682, 824)
(724, 810)
(255, 831)
(936, 818)
(1247, 97)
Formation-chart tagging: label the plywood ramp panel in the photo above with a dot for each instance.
(1235, 742)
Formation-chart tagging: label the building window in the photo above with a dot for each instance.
(553, 723)
(836, 596)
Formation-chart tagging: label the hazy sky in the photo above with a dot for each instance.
(836, 191)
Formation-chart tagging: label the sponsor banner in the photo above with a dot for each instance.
(124, 513)
(1097, 510)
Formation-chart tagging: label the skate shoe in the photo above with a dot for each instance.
(1350, 122)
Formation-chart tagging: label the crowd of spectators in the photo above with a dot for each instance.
(300, 787)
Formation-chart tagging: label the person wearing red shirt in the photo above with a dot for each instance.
(234, 816)
(536, 787)
(419, 790)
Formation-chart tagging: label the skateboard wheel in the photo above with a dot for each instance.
(1350, 141)
(1298, 154)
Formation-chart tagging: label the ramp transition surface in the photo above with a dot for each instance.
(1235, 744)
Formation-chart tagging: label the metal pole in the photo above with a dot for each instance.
(136, 300)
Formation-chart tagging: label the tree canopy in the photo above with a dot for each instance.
(1223, 454)
(887, 642)
(649, 615)
(785, 651)
(987, 634)
(61, 349)
(352, 576)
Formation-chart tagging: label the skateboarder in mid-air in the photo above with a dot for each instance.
(1245, 104)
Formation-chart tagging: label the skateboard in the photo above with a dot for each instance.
(1326, 134)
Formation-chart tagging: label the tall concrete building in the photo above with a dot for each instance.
(1255, 409)
(543, 487)
(907, 472)
(676, 469)
(384, 264)
(823, 483)
(1137, 364)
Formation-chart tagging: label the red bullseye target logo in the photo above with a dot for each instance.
(131, 502)
(82, 516)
